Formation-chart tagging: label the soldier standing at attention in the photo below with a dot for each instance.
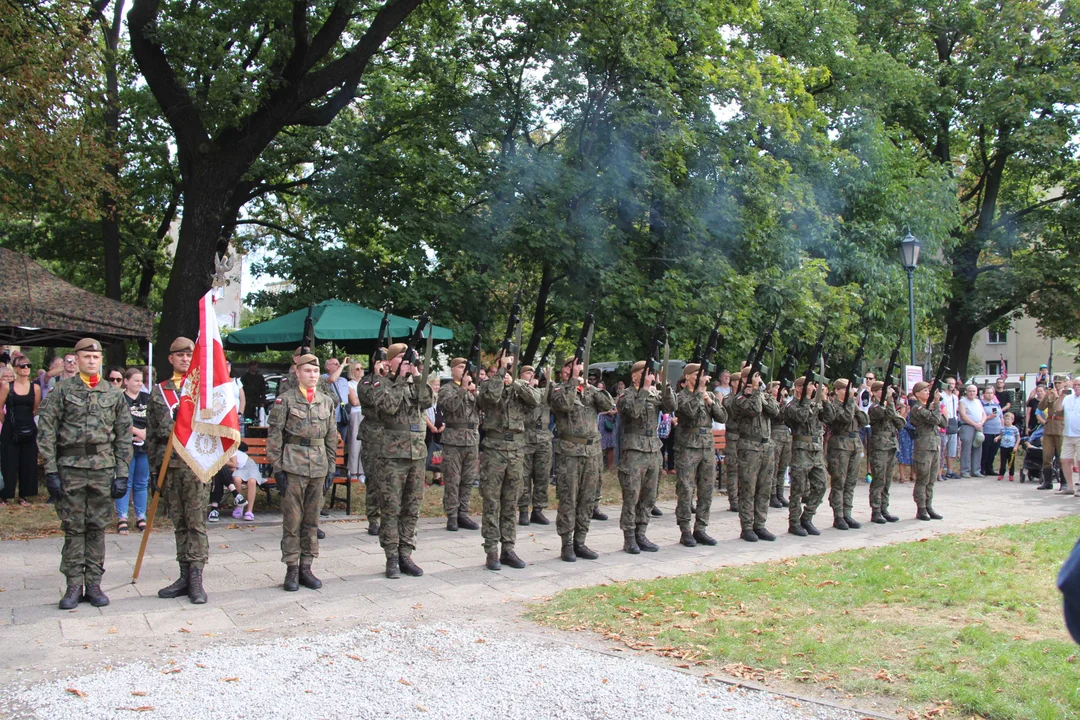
(731, 442)
(461, 445)
(640, 458)
(84, 437)
(371, 440)
(885, 421)
(845, 419)
(926, 420)
(401, 400)
(576, 405)
(538, 454)
(184, 493)
(781, 437)
(301, 446)
(755, 408)
(695, 454)
(507, 406)
(803, 416)
(289, 381)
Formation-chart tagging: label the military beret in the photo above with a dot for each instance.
(638, 366)
(1058, 377)
(182, 344)
(691, 369)
(569, 362)
(394, 350)
(298, 351)
(799, 382)
(527, 368)
(744, 373)
(88, 345)
(841, 384)
(920, 386)
(457, 361)
(877, 385)
(308, 359)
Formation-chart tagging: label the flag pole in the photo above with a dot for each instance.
(153, 506)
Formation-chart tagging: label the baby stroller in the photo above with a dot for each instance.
(1033, 458)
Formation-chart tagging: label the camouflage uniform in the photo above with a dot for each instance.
(844, 419)
(884, 423)
(538, 455)
(927, 448)
(695, 456)
(84, 435)
(781, 440)
(640, 455)
(185, 495)
(578, 449)
(506, 410)
(755, 407)
(371, 444)
(461, 446)
(807, 463)
(731, 452)
(402, 403)
(302, 441)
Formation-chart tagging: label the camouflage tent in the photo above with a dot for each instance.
(39, 309)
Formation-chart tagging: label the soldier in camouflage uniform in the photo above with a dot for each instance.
(370, 436)
(289, 381)
(301, 446)
(781, 437)
(401, 397)
(461, 445)
(755, 408)
(576, 405)
(807, 472)
(884, 424)
(695, 454)
(185, 495)
(84, 437)
(731, 444)
(538, 454)
(507, 406)
(926, 463)
(845, 419)
(640, 457)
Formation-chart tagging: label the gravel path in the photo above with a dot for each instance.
(395, 671)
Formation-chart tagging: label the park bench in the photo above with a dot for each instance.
(257, 452)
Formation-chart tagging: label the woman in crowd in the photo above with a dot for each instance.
(20, 399)
(664, 430)
(991, 429)
(905, 442)
(972, 417)
(435, 426)
(131, 382)
(606, 425)
(356, 470)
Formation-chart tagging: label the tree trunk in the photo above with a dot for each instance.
(116, 354)
(540, 319)
(958, 335)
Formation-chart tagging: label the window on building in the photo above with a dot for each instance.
(993, 367)
(997, 337)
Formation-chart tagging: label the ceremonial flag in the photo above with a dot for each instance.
(1004, 368)
(207, 425)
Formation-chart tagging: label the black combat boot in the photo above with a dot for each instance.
(780, 496)
(808, 526)
(93, 595)
(733, 507)
(851, 522)
(492, 561)
(523, 517)
(644, 543)
(567, 553)
(582, 550)
(292, 578)
(393, 568)
(510, 559)
(538, 517)
(71, 598)
(933, 515)
(839, 523)
(1047, 479)
(749, 535)
(687, 538)
(373, 528)
(452, 523)
(774, 502)
(195, 590)
(409, 567)
(764, 534)
(308, 579)
(320, 534)
(630, 544)
(877, 518)
(466, 523)
(889, 517)
(597, 515)
(796, 530)
(179, 586)
(702, 537)
(922, 515)
(656, 512)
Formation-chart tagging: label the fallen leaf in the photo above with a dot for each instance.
(76, 691)
(141, 708)
(113, 631)
(171, 671)
(827, 582)
(184, 630)
(225, 546)
(480, 640)
(139, 693)
(230, 679)
(421, 708)
(199, 665)
(232, 526)
(403, 681)
(355, 657)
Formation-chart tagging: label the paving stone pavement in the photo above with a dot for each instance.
(244, 576)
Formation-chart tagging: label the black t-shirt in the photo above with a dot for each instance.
(1032, 406)
(138, 406)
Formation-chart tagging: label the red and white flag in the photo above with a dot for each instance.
(1004, 368)
(207, 425)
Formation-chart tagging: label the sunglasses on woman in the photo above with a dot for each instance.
(23, 366)
(116, 379)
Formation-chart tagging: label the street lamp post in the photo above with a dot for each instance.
(909, 256)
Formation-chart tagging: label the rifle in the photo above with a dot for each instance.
(472, 360)
(709, 352)
(543, 358)
(786, 378)
(654, 349)
(584, 339)
(511, 326)
(308, 341)
(379, 353)
(758, 352)
(415, 338)
(815, 358)
(889, 381)
(855, 369)
(943, 367)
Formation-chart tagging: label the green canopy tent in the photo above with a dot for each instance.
(348, 326)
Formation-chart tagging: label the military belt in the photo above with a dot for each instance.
(802, 438)
(304, 442)
(704, 431)
(83, 450)
(373, 423)
(853, 434)
(754, 438)
(403, 427)
(647, 433)
(577, 440)
(461, 425)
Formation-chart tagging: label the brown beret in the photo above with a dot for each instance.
(394, 350)
(457, 361)
(298, 351)
(691, 369)
(181, 344)
(88, 345)
(877, 385)
(745, 372)
(526, 368)
(920, 386)
(841, 384)
(569, 362)
(638, 366)
(800, 381)
(308, 359)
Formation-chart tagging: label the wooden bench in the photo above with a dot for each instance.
(719, 438)
(257, 452)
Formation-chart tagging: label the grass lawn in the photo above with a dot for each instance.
(959, 626)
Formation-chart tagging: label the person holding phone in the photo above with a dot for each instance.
(991, 428)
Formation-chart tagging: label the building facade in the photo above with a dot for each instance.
(1023, 348)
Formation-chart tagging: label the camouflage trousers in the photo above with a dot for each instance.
(84, 509)
(459, 469)
(300, 507)
(639, 475)
(756, 477)
(188, 498)
(501, 471)
(843, 476)
(807, 485)
(926, 466)
(537, 477)
(575, 479)
(732, 471)
(695, 470)
(371, 465)
(401, 490)
(883, 465)
(781, 458)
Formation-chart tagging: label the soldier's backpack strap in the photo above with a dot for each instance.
(171, 397)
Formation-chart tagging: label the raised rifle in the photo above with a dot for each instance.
(581, 350)
(786, 378)
(472, 360)
(855, 370)
(942, 368)
(894, 359)
(815, 358)
(415, 338)
(381, 341)
(764, 346)
(511, 326)
(651, 364)
(308, 341)
(543, 358)
(709, 351)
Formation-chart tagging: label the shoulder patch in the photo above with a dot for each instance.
(278, 401)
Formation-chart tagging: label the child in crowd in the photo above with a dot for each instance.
(239, 472)
(1009, 437)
